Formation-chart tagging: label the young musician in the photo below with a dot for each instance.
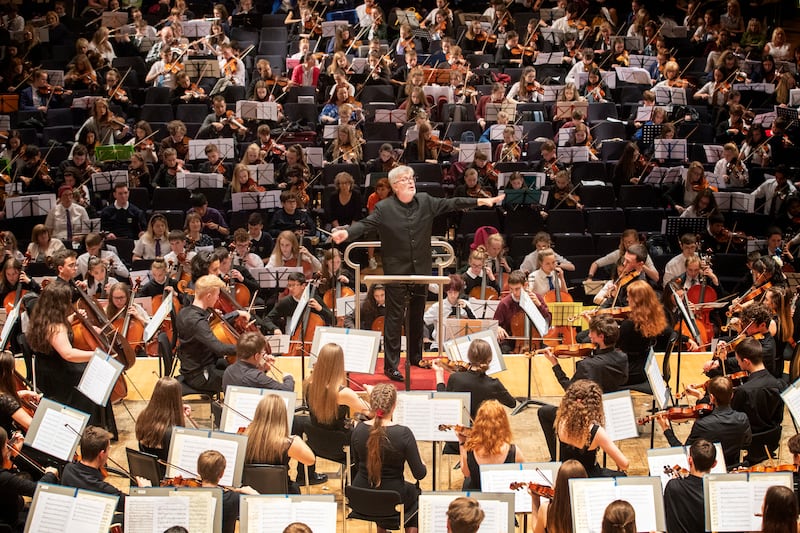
(284, 309)
(754, 320)
(253, 363)
(14, 486)
(629, 238)
(607, 366)
(210, 467)
(579, 425)
(454, 307)
(723, 424)
(638, 332)
(269, 441)
(509, 306)
(684, 499)
(556, 515)
(164, 411)
(201, 354)
(479, 273)
(381, 448)
(464, 515)
(85, 474)
(489, 442)
(542, 280)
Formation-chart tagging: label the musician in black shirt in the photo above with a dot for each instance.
(684, 501)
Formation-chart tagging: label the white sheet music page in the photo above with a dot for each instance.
(731, 506)
(589, 501)
(156, 514)
(53, 511)
(189, 448)
(413, 411)
(433, 512)
(620, 419)
(495, 518)
(643, 502)
(201, 505)
(245, 403)
(90, 515)
(319, 516)
(54, 437)
(500, 480)
(446, 412)
(99, 377)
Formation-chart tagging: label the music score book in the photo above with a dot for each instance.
(197, 149)
(244, 400)
(272, 513)
(49, 433)
(590, 497)
(100, 376)
(360, 347)
(498, 478)
(57, 509)
(153, 510)
(422, 412)
(187, 445)
(660, 458)
(733, 500)
(458, 348)
(620, 418)
(498, 511)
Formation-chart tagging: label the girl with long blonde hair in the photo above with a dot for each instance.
(488, 443)
(326, 391)
(269, 441)
(164, 411)
(288, 252)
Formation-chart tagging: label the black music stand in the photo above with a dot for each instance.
(532, 316)
(674, 227)
(685, 316)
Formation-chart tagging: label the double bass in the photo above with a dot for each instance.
(558, 334)
(700, 294)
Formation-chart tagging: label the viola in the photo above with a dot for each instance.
(180, 481)
(535, 488)
(769, 468)
(679, 414)
(233, 121)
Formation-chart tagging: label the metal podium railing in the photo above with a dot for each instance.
(441, 261)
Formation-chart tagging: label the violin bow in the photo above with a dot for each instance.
(358, 36)
(575, 188)
(114, 91)
(314, 27)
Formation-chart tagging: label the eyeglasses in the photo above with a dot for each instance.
(406, 179)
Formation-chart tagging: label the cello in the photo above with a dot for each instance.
(700, 294)
(12, 299)
(338, 290)
(87, 338)
(304, 331)
(557, 334)
(129, 326)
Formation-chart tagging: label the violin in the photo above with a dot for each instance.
(118, 93)
(434, 143)
(484, 37)
(180, 481)
(463, 430)
(749, 296)
(233, 121)
(408, 44)
(737, 378)
(173, 68)
(535, 488)
(563, 351)
(679, 414)
(453, 366)
(566, 197)
(56, 90)
(534, 87)
(676, 471)
(769, 468)
(617, 313)
(679, 83)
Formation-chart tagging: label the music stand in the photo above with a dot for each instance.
(253, 201)
(493, 109)
(674, 227)
(209, 68)
(257, 110)
(650, 132)
(34, 205)
(686, 316)
(199, 180)
(670, 149)
(104, 181)
(533, 320)
(517, 197)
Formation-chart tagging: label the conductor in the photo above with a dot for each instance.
(404, 222)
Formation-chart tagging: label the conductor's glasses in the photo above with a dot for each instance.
(406, 179)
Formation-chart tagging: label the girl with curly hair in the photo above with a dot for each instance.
(638, 332)
(489, 443)
(579, 425)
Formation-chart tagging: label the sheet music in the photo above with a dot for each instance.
(155, 514)
(186, 448)
(533, 313)
(658, 458)
(201, 506)
(643, 502)
(498, 478)
(589, 501)
(732, 500)
(298, 311)
(656, 380)
(99, 377)
(360, 347)
(423, 414)
(791, 397)
(245, 400)
(53, 437)
(458, 348)
(620, 419)
(433, 513)
(271, 514)
(76, 512)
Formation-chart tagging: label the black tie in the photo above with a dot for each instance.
(550, 282)
(69, 225)
(158, 248)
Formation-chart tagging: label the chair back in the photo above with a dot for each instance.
(379, 506)
(327, 443)
(267, 479)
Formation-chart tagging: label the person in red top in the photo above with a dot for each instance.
(509, 306)
(306, 73)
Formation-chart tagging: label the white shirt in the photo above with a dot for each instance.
(171, 259)
(164, 80)
(364, 20)
(238, 78)
(249, 261)
(431, 317)
(38, 254)
(675, 267)
(531, 262)
(117, 267)
(539, 281)
(514, 92)
(147, 249)
(767, 191)
(56, 221)
(721, 170)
